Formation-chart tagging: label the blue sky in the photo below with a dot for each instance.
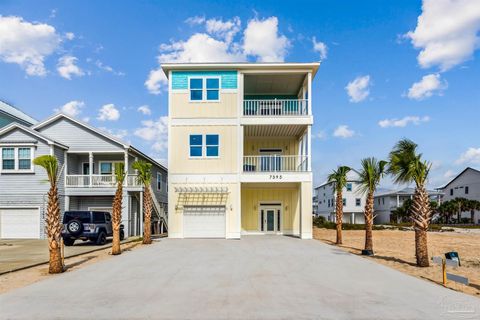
(384, 75)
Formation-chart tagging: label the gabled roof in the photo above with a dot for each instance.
(457, 176)
(37, 134)
(405, 191)
(352, 176)
(98, 131)
(15, 113)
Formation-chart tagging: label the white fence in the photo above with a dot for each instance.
(99, 181)
(275, 163)
(275, 107)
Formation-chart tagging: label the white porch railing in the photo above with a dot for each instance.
(275, 107)
(98, 181)
(275, 163)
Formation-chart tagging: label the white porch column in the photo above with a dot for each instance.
(67, 203)
(308, 150)
(306, 210)
(398, 201)
(353, 218)
(90, 168)
(141, 214)
(65, 162)
(309, 94)
(126, 213)
(125, 156)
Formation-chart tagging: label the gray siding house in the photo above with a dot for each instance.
(9, 114)
(86, 157)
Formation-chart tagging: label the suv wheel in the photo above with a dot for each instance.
(101, 239)
(68, 242)
(75, 227)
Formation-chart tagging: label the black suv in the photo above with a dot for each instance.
(88, 225)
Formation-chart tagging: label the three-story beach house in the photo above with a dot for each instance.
(239, 141)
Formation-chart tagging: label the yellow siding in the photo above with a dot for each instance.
(181, 162)
(176, 202)
(289, 146)
(289, 197)
(183, 108)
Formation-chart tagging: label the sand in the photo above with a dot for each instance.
(22, 278)
(396, 249)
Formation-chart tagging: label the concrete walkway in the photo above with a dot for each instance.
(263, 277)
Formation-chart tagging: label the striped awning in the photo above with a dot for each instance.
(216, 190)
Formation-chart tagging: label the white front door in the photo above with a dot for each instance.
(19, 223)
(270, 219)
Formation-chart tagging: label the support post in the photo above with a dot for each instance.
(125, 183)
(90, 168)
(141, 213)
(309, 96)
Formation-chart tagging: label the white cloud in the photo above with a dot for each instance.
(262, 40)
(471, 156)
(358, 89)
(156, 132)
(416, 120)
(321, 135)
(195, 20)
(69, 35)
(343, 131)
(320, 47)
(108, 112)
(27, 44)
(66, 67)
(446, 32)
(224, 29)
(428, 86)
(117, 133)
(449, 174)
(107, 68)
(72, 108)
(145, 110)
(156, 82)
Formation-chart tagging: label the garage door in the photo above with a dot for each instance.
(19, 223)
(204, 222)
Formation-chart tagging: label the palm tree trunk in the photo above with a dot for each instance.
(147, 209)
(339, 216)
(54, 230)
(369, 223)
(421, 215)
(116, 219)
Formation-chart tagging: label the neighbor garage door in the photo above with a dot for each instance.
(19, 223)
(204, 222)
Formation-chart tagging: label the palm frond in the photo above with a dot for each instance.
(144, 171)
(339, 177)
(50, 164)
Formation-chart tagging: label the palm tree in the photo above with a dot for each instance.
(473, 205)
(339, 177)
(445, 209)
(145, 177)
(52, 220)
(407, 166)
(117, 207)
(370, 176)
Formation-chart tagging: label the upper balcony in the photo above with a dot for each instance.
(276, 98)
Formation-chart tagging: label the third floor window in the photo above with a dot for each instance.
(204, 89)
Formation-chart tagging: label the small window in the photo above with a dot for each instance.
(349, 187)
(106, 168)
(466, 190)
(108, 217)
(196, 142)
(344, 201)
(212, 145)
(98, 217)
(378, 200)
(8, 159)
(451, 192)
(24, 159)
(383, 200)
(159, 181)
(328, 203)
(358, 202)
(213, 86)
(196, 89)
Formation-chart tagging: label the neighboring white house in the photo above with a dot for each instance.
(385, 202)
(465, 185)
(353, 200)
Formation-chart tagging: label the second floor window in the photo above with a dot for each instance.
(201, 146)
(451, 192)
(466, 190)
(159, 181)
(196, 145)
(212, 145)
(358, 202)
(344, 201)
(8, 159)
(204, 89)
(349, 187)
(16, 159)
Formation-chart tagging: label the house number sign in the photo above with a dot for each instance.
(276, 177)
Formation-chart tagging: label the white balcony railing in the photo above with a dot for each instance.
(98, 181)
(275, 163)
(275, 107)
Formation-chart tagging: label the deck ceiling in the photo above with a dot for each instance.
(274, 131)
(273, 84)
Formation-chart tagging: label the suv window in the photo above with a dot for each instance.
(83, 216)
(108, 217)
(98, 217)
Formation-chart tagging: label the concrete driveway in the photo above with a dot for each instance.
(263, 277)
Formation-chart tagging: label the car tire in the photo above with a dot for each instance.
(68, 242)
(101, 239)
(122, 235)
(75, 227)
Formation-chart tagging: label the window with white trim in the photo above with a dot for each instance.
(16, 159)
(204, 88)
(207, 146)
(196, 145)
(212, 145)
(159, 181)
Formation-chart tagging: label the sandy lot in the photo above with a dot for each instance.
(17, 279)
(396, 249)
